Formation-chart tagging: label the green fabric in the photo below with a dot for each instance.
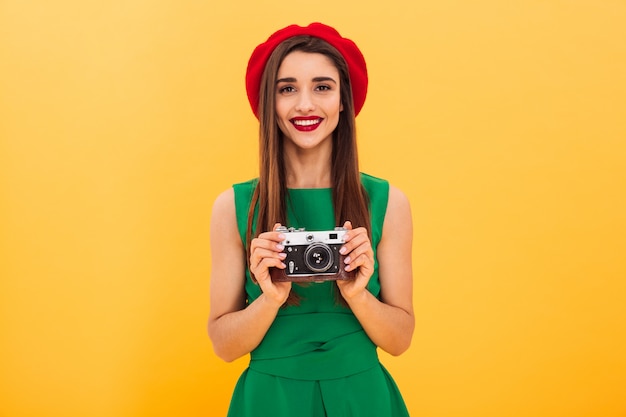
(314, 208)
(372, 393)
(316, 359)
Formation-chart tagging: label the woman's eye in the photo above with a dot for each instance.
(286, 89)
(323, 87)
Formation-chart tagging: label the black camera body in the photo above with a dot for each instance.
(312, 256)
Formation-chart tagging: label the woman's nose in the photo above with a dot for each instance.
(305, 102)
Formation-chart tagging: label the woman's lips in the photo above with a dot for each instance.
(306, 124)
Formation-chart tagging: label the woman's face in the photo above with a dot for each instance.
(308, 100)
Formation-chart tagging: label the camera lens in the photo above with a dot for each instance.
(318, 257)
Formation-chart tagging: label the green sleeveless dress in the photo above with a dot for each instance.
(316, 359)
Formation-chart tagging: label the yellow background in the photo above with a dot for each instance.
(503, 121)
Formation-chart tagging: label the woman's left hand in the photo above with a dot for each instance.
(360, 256)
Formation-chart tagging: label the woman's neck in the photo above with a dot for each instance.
(308, 169)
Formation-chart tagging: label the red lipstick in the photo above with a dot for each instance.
(306, 124)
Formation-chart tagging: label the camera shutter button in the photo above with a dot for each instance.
(291, 266)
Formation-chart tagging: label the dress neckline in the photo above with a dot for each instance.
(309, 189)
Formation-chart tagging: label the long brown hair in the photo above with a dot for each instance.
(349, 197)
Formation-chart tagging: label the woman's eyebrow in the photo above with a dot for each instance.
(316, 79)
(321, 79)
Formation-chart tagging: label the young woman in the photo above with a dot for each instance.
(313, 347)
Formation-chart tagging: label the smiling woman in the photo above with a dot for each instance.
(308, 104)
(313, 348)
(503, 122)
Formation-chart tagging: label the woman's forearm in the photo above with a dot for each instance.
(238, 333)
(389, 327)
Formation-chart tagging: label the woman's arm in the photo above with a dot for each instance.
(235, 330)
(390, 321)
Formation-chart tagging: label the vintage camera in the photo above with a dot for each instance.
(312, 256)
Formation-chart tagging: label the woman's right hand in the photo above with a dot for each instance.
(266, 251)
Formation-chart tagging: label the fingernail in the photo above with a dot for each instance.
(282, 255)
(347, 260)
(280, 247)
(281, 236)
(343, 250)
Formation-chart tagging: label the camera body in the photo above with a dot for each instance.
(312, 256)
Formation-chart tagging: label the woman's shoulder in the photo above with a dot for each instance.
(224, 202)
(398, 198)
(243, 192)
(387, 198)
(228, 195)
(371, 181)
(249, 183)
(245, 186)
(377, 190)
(398, 216)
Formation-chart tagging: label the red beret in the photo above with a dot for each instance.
(348, 49)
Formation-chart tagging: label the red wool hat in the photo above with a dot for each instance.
(348, 49)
